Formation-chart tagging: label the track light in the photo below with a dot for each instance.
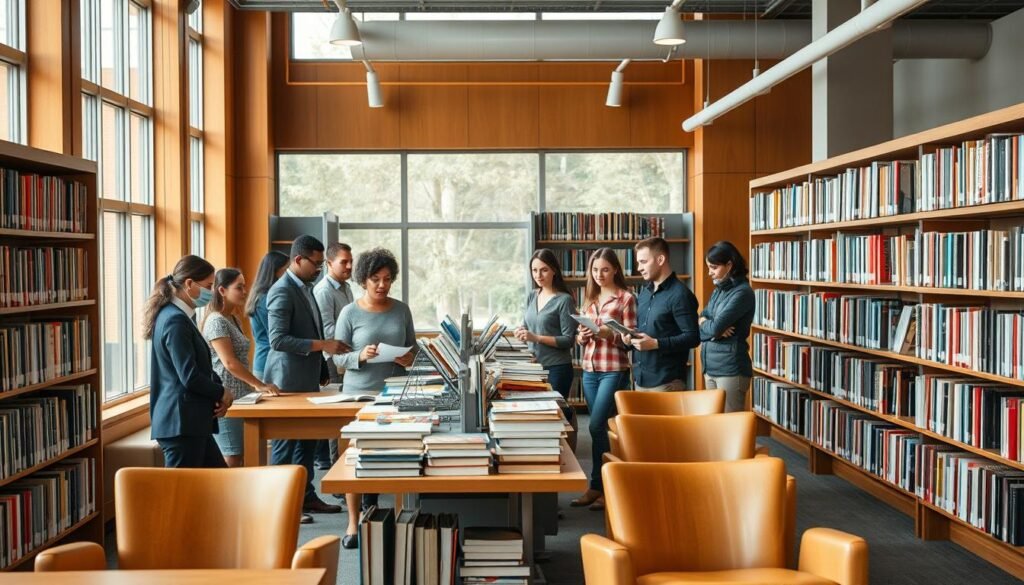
(614, 98)
(344, 30)
(670, 28)
(373, 96)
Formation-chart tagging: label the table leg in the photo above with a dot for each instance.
(255, 446)
(399, 504)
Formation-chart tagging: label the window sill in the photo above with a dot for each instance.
(124, 410)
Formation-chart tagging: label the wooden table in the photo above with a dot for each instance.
(342, 479)
(170, 577)
(290, 416)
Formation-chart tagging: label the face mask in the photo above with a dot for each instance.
(205, 296)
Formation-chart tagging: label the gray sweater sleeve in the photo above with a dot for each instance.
(565, 322)
(343, 331)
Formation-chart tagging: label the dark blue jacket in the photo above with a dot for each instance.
(260, 334)
(731, 305)
(670, 316)
(293, 323)
(184, 390)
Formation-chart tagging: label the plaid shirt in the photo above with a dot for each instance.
(608, 355)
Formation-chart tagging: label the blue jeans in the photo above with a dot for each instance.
(599, 390)
(560, 377)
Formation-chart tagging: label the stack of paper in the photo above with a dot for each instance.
(493, 555)
(527, 435)
(457, 454)
(387, 450)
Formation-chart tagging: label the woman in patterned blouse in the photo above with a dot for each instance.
(605, 359)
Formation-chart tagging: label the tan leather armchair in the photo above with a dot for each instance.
(663, 403)
(241, 518)
(718, 522)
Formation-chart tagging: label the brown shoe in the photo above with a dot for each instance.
(586, 499)
(316, 506)
(598, 505)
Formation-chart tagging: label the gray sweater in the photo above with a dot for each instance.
(554, 320)
(358, 328)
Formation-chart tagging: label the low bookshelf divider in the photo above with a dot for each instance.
(50, 384)
(888, 344)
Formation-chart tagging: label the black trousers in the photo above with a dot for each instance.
(191, 452)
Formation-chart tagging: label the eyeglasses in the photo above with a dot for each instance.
(319, 264)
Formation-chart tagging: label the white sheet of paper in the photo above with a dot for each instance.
(328, 398)
(586, 322)
(387, 353)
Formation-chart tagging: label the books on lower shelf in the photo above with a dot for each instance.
(42, 203)
(990, 259)
(493, 554)
(42, 275)
(974, 172)
(979, 492)
(44, 349)
(597, 226)
(961, 335)
(43, 425)
(413, 547)
(38, 508)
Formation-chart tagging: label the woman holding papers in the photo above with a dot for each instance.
(271, 268)
(725, 325)
(605, 359)
(366, 325)
(230, 351)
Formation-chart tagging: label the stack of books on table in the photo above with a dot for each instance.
(457, 454)
(387, 450)
(521, 376)
(527, 435)
(493, 555)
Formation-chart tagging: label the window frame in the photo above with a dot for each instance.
(15, 56)
(404, 226)
(196, 138)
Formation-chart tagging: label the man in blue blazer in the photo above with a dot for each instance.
(296, 359)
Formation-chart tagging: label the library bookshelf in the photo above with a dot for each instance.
(82, 438)
(678, 231)
(932, 522)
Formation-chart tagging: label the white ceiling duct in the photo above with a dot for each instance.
(536, 40)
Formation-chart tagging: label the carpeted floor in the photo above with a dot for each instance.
(896, 556)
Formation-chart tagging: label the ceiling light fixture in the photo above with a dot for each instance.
(344, 30)
(373, 95)
(670, 30)
(614, 98)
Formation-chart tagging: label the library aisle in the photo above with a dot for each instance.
(897, 558)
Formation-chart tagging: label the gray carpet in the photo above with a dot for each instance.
(896, 556)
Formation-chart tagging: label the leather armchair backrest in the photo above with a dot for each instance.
(698, 516)
(241, 518)
(673, 403)
(685, 439)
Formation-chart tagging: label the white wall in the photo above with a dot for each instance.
(932, 92)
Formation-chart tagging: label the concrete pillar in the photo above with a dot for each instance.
(852, 90)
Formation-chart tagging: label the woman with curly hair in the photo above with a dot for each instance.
(372, 319)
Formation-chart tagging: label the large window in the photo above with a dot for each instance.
(197, 200)
(459, 222)
(117, 120)
(311, 35)
(12, 70)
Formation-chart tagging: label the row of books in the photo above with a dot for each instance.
(387, 449)
(31, 353)
(40, 203)
(575, 261)
(419, 548)
(972, 337)
(39, 276)
(976, 490)
(879, 189)
(985, 415)
(975, 172)
(553, 225)
(977, 260)
(46, 424)
(37, 509)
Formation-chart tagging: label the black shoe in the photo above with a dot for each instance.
(322, 464)
(350, 541)
(317, 506)
(305, 519)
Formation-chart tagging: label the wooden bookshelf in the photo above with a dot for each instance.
(932, 522)
(31, 160)
(598, 243)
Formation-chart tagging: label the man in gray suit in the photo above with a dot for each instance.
(332, 293)
(295, 362)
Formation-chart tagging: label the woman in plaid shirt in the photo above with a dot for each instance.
(605, 359)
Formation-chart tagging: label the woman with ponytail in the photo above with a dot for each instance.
(230, 349)
(186, 397)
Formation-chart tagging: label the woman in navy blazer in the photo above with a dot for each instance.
(185, 396)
